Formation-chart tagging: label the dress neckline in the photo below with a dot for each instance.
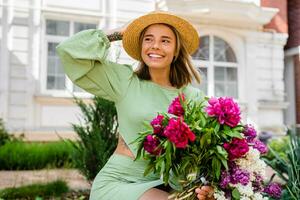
(166, 88)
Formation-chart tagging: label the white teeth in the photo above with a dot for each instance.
(155, 56)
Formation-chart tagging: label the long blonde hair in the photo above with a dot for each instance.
(182, 70)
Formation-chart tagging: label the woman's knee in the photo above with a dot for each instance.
(154, 193)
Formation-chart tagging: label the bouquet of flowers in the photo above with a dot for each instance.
(200, 142)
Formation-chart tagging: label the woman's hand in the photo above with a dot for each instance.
(205, 193)
(117, 33)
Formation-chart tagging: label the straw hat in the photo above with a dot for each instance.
(132, 33)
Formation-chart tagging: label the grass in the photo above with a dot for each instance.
(36, 191)
(19, 155)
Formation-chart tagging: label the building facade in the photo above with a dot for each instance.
(292, 64)
(238, 56)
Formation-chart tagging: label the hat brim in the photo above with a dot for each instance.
(133, 31)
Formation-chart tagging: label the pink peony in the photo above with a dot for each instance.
(151, 145)
(157, 125)
(225, 110)
(237, 148)
(175, 107)
(179, 133)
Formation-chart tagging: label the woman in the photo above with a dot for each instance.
(162, 43)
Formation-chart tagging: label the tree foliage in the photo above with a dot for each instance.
(98, 136)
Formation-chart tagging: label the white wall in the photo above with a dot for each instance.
(16, 33)
(1, 85)
(260, 54)
(74, 4)
(289, 76)
(256, 2)
(25, 105)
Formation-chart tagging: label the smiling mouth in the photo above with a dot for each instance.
(155, 56)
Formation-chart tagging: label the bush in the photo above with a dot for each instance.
(288, 169)
(4, 136)
(33, 191)
(19, 155)
(98, 136)
(278, 145)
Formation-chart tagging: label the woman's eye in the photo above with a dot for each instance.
(166, 41)
(147, 39)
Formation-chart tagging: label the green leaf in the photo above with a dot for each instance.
(147, 125)
(202, 120)
(221, 151)
(168, 160)
(238, 128)
(217, 128)
(224, 162)
(216, 164)
(138, 155)
(149, 169)
(205, 139)
(226, 128)
(222, 155)
(233, 134)
(236, 194)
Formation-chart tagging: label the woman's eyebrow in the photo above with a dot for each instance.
(164, 36)
(148, 35)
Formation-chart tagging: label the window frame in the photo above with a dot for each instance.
(46, 39)
(210, 65)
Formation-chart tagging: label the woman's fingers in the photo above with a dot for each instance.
(207, 188)
(202, 191)
(201, 197)
(205, 192)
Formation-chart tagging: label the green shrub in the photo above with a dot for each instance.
(54, 189)
(19, 155)
(288, 167)
(4, 136)
(98, 136)
(279, 145)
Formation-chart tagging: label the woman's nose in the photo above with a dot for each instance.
(155, 45)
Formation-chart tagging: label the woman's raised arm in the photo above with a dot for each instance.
(84, 59)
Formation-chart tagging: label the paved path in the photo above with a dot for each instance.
(74, 179)
(17, 178)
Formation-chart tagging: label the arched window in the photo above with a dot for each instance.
(218, 66)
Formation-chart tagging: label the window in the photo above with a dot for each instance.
(57, 31)
(216, 62)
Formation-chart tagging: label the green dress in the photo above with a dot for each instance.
(84, 60)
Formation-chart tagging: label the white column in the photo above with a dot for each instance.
(109, 12)
(34, 65)
(1, 58)
(112, 13)
(251, 81)
(6, 46)
(289, 79)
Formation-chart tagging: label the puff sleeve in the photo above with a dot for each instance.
(83, 57)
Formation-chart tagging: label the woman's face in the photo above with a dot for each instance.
(158, 46)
